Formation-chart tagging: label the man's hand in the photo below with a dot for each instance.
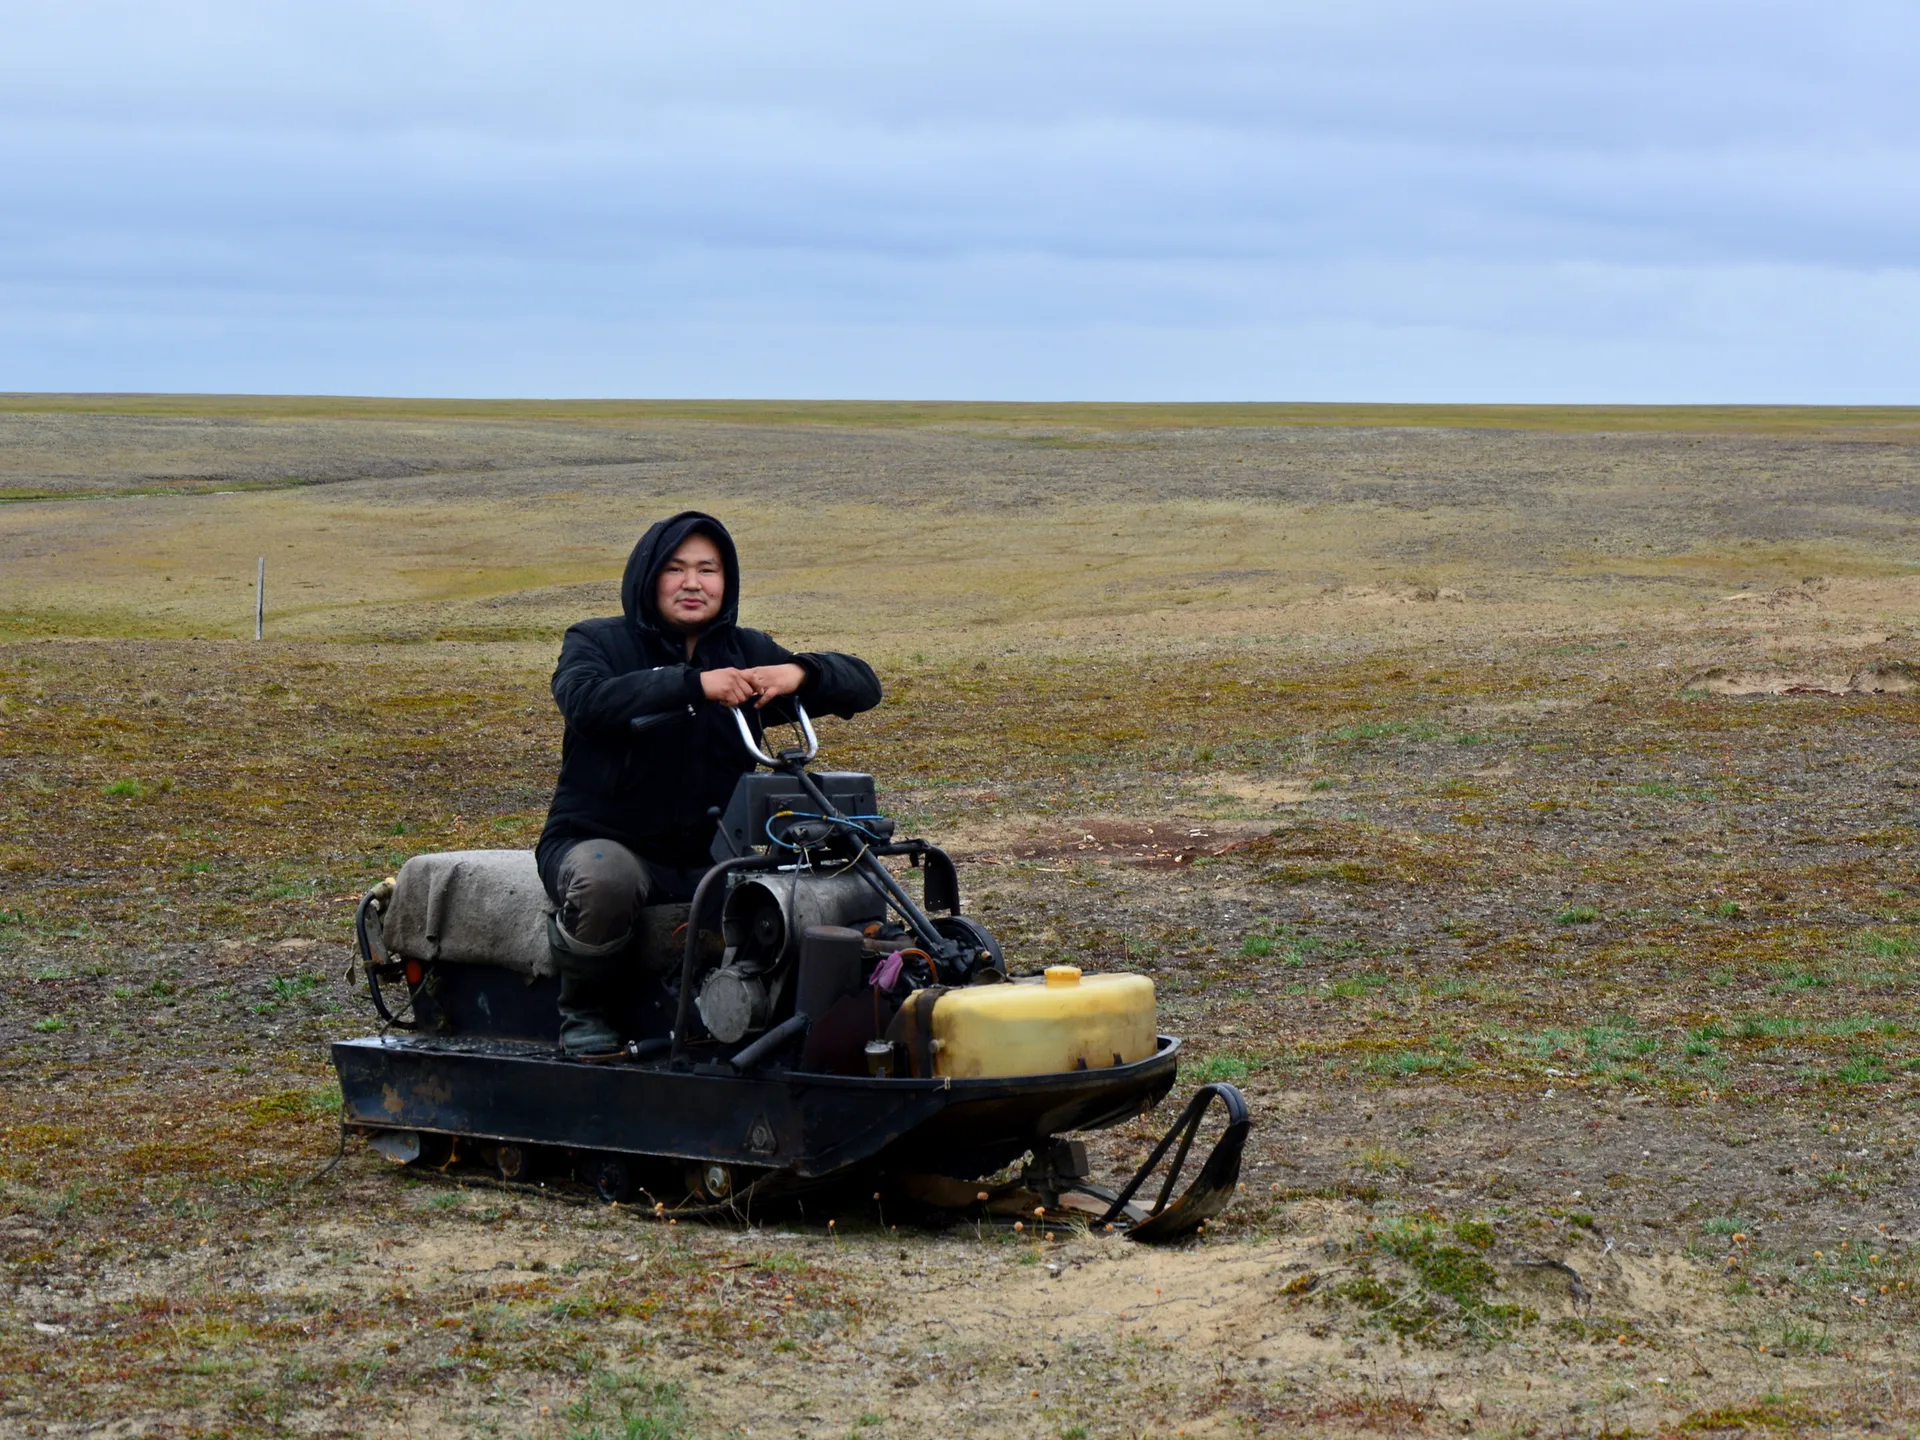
(737, 687)
(770, 682)
(729, 687)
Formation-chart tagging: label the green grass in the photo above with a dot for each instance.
(1437, 1288)
(1357, 987)
(620, 1405)
(1383, 1160)
(1220, 1067)
(1577, 915)
(1293, 948)
(1702, 1042)
(1793, 1027)
(1845, 1026)
(124, 789)
(1405, 1064)
(298, 1105)
(1886, 947)
(1804, 1337)
(1613, 1049)
(1863, 1069)
(1385, 729)
(1768, 1027)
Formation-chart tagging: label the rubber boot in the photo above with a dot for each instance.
(588, 974)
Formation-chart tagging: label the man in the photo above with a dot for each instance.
(650, 749)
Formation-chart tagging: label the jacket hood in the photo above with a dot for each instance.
(656, 547)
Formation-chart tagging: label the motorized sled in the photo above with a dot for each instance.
(805, 1020)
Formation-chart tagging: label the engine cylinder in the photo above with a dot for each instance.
(765, 915)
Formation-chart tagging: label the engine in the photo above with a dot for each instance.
(763, 921)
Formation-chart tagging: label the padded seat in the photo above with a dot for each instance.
(488, 907)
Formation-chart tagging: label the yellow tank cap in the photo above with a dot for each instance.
(1063, 974)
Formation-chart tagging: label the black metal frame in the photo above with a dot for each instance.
(810, 1125)
(1212, 1188)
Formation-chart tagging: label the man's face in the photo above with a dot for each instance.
(692, 586)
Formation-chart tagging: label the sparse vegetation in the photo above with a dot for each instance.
(1218, 1067)
(1432, 1286)
(1519, 954)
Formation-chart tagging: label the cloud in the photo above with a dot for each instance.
(1487, 201)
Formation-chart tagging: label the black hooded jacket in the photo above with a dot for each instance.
(650, 787)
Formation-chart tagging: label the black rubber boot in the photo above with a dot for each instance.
(587, 975)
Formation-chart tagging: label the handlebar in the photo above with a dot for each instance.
(753, 748)
(794, 764)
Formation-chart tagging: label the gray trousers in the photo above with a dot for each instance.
(603, 886)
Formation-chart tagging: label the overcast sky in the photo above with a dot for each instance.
(1560, 201)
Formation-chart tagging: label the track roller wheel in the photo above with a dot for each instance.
(514, 1162)
(709, 1183)
(613, 1179)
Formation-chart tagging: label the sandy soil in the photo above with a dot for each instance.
(1522, 816)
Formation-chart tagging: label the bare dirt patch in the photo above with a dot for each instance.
(1893, 677)
(1269, 794)
(1102, 839)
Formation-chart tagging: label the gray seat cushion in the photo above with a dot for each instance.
(484, 907)
(488, 907)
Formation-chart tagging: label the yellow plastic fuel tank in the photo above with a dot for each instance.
(1063, 1020)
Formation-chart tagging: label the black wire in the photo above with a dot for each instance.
(394, 1019)
(338, 1155)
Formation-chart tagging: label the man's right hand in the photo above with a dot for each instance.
(728, 687)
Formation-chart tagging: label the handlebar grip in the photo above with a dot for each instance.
(772, 761)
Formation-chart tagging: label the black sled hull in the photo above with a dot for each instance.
(808, 1126)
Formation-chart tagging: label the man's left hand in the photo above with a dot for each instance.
(773, 681)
